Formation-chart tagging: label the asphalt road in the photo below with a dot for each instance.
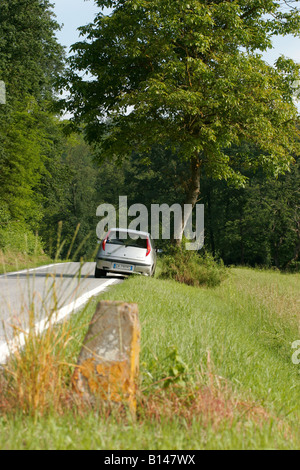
(63, 288)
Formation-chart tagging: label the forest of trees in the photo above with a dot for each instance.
(52, 179)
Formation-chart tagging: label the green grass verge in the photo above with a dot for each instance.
(11, 261)
(238, 389)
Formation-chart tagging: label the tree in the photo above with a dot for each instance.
(30, 60)
(23, 149)
(30, 56)
(70, 196)
(187, 75)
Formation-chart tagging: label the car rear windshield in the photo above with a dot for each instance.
(127, 239)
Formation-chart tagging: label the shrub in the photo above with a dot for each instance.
(190, 268)
(16, 237)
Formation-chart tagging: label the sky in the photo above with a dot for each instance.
(75, 13)
(72, 14)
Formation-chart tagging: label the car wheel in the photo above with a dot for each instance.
(152, 272)
(99, 273)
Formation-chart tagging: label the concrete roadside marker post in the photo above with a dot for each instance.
(108, 364)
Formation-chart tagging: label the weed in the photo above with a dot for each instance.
(190, 268)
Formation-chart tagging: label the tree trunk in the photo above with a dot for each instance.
(211, 231)
(191, 198)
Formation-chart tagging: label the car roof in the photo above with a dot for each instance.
(134, 232)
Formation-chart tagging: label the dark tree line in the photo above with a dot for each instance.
(258, 224)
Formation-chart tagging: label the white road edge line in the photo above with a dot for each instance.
(33, 269)
(19, 341)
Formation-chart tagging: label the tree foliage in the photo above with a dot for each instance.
(30, 55)
(30, 60)
(189, 76)
(70, 189)
(255, 225)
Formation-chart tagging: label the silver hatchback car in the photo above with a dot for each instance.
(126, 251)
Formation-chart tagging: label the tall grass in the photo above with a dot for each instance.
(36, 378)
(36, 375)
(20, 248)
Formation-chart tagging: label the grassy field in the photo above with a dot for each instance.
(216, 372)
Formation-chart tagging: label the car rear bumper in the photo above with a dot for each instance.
(124, 267)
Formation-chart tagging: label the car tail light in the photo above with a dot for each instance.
(148, 247)
(104, 241)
